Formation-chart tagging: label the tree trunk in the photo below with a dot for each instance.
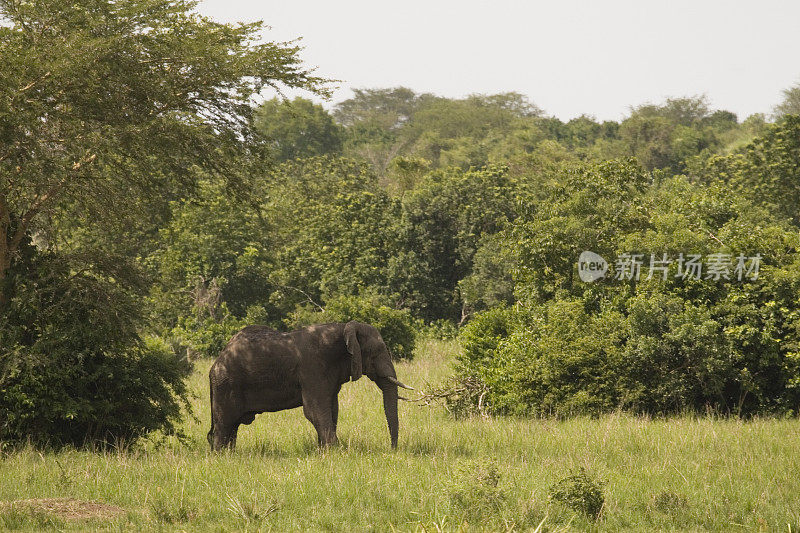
(5, 249)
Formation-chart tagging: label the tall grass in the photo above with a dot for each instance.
(685, 473)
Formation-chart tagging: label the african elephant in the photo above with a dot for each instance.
(261, 370)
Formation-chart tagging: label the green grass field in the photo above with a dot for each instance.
(684, 474)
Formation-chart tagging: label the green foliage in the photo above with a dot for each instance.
(396, 325)
(556, 361)
(442, 225)
(766, 169)
(670, 136)
(581, 493)
(405, 173)
(213, 248)
(441, 329)
(383, 124)
(109, 111)
(791, 102)
(323, 229)
(648, 345)
(297, 128)
(202, 335)
(464, 132)
(374, 119)
(335, 232)
(490, 284)
(162, 91)
(73, 369)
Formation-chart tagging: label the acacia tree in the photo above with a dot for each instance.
(102, 99)
(790, 105)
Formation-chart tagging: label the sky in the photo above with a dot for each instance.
(569, 57)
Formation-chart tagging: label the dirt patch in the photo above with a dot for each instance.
(64, 508)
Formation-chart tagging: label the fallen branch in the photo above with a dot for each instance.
(459, 396)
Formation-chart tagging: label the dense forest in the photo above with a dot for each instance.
(149, 208)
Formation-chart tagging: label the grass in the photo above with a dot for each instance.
(695, 474)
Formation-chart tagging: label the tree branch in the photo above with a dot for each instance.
(40, 201)
(34, 82)
(304, 293)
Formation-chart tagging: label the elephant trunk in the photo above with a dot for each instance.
(390, 408)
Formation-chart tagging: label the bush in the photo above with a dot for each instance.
(73, 368)
(442, 329)
(206, 336)
(554, 359)
(396, 325)
(652, 353)
(476, 493)
(655, 345)
(580, 493)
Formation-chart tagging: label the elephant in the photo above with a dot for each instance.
(263, 370)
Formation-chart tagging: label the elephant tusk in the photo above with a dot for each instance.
(403, 398)
(399, 383)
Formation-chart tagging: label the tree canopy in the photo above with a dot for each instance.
(107, 101)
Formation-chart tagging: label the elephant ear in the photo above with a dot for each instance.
(354, 348)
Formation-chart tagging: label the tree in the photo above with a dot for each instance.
(387, 108)
(73, 367)
(443, 221)
(374, 119)
(463, 132)
(767, 168)
(211, 240)
(333, 229)
(108, 109)
(297, 128)
(647, 344)
(100, 97)
(791, 102)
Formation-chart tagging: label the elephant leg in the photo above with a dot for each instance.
(224, 436)
(335, 412)
(318, 412)
(225, 426)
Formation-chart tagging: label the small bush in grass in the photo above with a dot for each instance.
(670, 503)
(251, 510)
(579, 492)
(477, 493)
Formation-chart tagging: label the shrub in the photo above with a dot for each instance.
(396, 325)
(441, 329)
(670, 503)
(579, 492)
(655, 345)
(652, 353)
(476, 493)
(206, 336)
(73, 368)
(551, 360)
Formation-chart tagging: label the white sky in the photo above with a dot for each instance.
(569, 57)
